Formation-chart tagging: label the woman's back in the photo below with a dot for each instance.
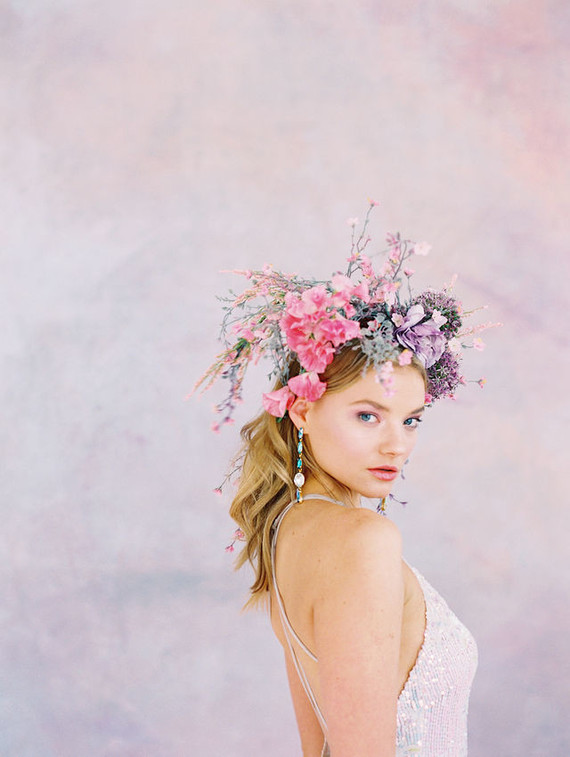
(436, 656)
(306, 544)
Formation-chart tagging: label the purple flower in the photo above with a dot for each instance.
(424, 339)
(444, 376)
(446, 305)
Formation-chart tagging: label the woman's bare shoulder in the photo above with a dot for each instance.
(359, 539)
(349, 525)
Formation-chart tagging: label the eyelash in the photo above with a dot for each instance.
(416, 424)
(370, 415)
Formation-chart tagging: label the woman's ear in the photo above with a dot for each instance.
(298, 412)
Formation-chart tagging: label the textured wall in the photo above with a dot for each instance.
(148, 145)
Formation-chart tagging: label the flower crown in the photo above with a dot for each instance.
(289, 319)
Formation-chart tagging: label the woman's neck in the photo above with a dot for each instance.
(332, 492)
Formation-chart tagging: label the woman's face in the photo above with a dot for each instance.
(362, 437)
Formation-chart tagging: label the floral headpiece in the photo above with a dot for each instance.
(287, 319)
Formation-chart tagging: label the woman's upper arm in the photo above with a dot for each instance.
(357, 625)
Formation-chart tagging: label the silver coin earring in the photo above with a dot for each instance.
(299, 478)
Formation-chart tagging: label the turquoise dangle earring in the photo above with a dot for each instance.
(382, 506)
(299, 478)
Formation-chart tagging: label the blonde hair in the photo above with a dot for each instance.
(268, 456)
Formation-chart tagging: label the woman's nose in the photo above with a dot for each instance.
(392, 441)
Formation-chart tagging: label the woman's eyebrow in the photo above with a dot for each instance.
(386, 409)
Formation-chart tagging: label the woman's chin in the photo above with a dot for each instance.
(377, 492)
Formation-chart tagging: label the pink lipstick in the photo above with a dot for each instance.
(385, 473)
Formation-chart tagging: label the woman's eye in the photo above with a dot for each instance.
(367, 417)
(412, 422)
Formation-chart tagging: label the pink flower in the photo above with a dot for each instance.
(314, 355)
(409, 271)
(298, 331)
(405, 357)
(352, 221)
(422, 248)
(218, 491)
(366, 266)
(238, 536)
(482, 381)
(397, 319)
(312, 329)
(307, 308)
(388, 291)
(315, 298)
(337, 330)
(345, 289)
(278, 402)
(295, 329)
(308, 386)
(342, 283)
(361, 291)
(295, 307)
(479, 344)
(428, 399)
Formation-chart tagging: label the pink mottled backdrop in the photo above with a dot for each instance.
(148, 144)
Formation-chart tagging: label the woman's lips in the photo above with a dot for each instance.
(386, 473)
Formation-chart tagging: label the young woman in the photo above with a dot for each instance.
(377, 663)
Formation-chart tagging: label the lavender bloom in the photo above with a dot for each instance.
(448, 306)
(424, 339)
(444, 376)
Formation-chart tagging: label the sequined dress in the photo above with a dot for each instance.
(432, 707)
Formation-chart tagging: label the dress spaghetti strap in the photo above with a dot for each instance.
(288, 630)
